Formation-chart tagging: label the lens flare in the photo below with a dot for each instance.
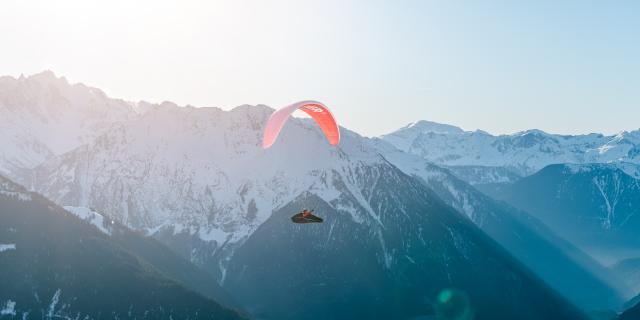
(453, 304)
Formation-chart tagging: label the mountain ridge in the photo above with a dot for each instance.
(60, 266)
(521, 153)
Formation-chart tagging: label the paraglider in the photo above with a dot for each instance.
(306, 216)
(318, 111)
(322, 116)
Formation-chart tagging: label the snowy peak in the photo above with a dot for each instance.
(521, 153)
(47, 92)
(405, 136)
(531, 134)
(47, 78)
(424, 126)
(251, 109)
(43, 115)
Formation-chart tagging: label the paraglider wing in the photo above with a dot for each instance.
(318, 111)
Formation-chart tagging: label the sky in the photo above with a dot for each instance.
(501, 66)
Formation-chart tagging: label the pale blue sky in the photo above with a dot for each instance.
(501, 66)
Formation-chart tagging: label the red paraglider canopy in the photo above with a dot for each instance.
(318, 111)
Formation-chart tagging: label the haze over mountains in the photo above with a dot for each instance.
(553, 258)
(398, 227)
(593, 205)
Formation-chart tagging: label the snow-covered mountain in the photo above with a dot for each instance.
(43, 115)
(199, 180)
(480, 157)
(203, 171)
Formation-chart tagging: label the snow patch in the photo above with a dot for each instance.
(9, 308)
(52, 306)
(611, 201)
(13, 191)
(19, 195)
(386, 256)
(90, 216)
(7, 247)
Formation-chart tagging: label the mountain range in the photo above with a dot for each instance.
(480, 157)
(402, 219)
